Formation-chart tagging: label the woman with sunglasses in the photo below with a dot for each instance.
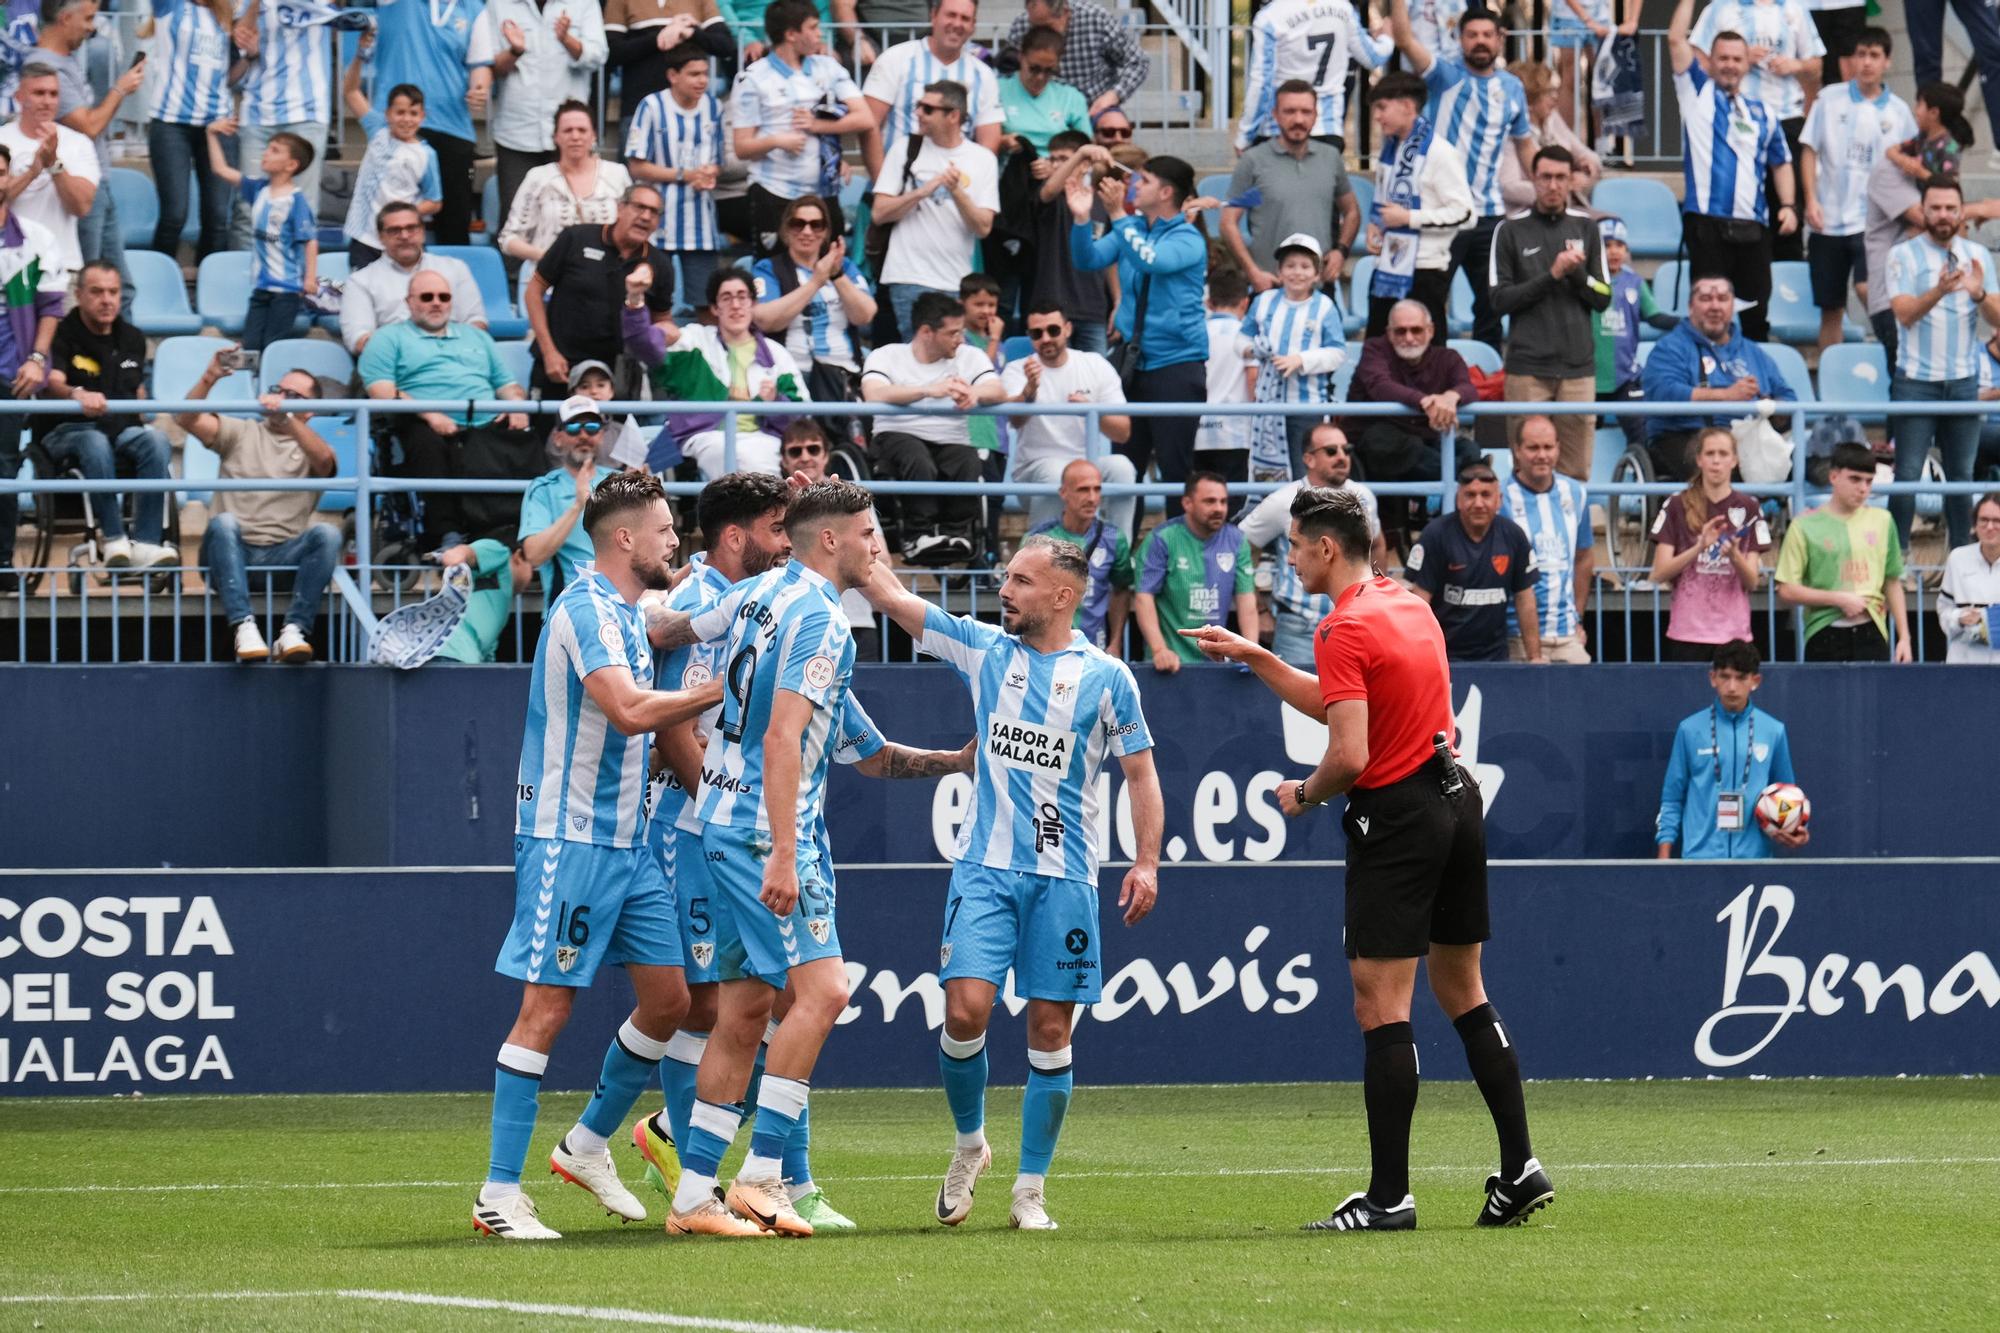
(552, 537)
(579, 186)
(812, 295)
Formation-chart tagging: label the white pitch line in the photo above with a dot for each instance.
(1760, 1164)
(604, 1314)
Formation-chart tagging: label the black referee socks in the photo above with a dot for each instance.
(1389, 1090)
(1497, 1071)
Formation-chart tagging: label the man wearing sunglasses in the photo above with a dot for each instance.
(1101, 57)
(377, 295)
(951, 199)
(552, 536)
(1296, 612)
(1113, 128)
(1044, 447)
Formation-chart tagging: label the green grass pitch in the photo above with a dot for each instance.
(1704, 1204)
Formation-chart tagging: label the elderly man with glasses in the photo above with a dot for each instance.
(428, 357)
(1407, 365)
(578, 289)
(551, 536)
(1295, 612)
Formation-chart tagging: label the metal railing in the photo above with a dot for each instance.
(354, 584)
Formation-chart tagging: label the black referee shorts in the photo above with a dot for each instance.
(1416, 867)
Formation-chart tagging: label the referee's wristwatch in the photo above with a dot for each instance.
(1299, 795)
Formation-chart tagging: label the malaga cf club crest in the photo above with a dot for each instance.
(704, 953)
(944, 955)
(820, 928)
(566, 957)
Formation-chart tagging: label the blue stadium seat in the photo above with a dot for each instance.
(1458, 307)
(1793, 367)
(138, 205)
(503, 320)
(1501, 461)
(1344, 376)
(489, 209)
(177, 364)
(1477, 354)
(1670, 287)
(519, 358)
(222, 290)
(1855, 372)
(316, 356)
(1652, 215)
(1794, 317)
(1364, 194)
(1216, 186)
(344, 438)
(1606, 449)
(159, 295)
(1359, 274)
(1017, 348)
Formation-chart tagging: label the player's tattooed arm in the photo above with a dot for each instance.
(667, 629)
(903, 761)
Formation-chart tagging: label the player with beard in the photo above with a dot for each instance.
(1050, 708)
(587, 888)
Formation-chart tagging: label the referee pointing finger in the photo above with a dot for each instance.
(1416, 852)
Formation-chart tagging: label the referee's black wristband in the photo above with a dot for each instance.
(1300, 796)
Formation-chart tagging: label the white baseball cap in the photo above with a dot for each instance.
(1300, 240)
(579, 407)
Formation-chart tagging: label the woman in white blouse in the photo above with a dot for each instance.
(579, 186)
(1971, 586)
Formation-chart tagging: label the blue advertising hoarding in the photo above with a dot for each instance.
(375, 981)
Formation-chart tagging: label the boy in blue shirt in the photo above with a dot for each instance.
(1723, 757)
(284, 233)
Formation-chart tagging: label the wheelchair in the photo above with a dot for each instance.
(72, 517)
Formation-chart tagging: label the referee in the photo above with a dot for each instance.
(1416, 852)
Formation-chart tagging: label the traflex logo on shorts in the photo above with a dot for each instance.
(1077, 941)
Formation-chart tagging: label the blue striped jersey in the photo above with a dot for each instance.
(905, 69)
(785, 631)
(822, 331)
(1783, 27)
(581, 779)
(1046, 722)
(194, 51)
(1945, 343)
(1557, 522)
(1728, 145)
(692, 665)
(433, 44)
(1278, 326)
(392, 172)
(292, 77)
(1848, 132)
(1312, 40)
(21, 22)
(763, 100)
(1269, 525)
(280, 227)
(668, 135)
(1480, 115)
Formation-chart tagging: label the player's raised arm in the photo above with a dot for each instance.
(1298, 688)
(634, 711)
(892, 599)
(1149, 820)
(895, 760)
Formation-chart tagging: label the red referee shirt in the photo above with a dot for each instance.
(1382, 645)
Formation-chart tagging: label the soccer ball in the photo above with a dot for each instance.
(1782, 808)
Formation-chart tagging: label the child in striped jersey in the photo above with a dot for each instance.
(284, 233)
(398, 168)
(1300, 342)
(675, 143)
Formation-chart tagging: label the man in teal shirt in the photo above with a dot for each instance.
(499, 574)
(552, 536)
(1036, 104)
(428, 357)
(1189, 569)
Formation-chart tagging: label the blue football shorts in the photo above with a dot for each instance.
(751, 941)
(1043, 927)
(578, 906)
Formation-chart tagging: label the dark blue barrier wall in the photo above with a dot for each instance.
(381, 981)
(210, 766)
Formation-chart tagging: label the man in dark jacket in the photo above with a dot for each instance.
(1406, 365)
(1548, 275)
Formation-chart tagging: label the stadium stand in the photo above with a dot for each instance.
(159, 295)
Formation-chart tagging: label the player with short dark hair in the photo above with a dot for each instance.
(587, 889)
(1416, 852)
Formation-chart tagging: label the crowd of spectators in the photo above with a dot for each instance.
(1006, 198)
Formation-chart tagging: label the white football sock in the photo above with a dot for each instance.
(585, 1141)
